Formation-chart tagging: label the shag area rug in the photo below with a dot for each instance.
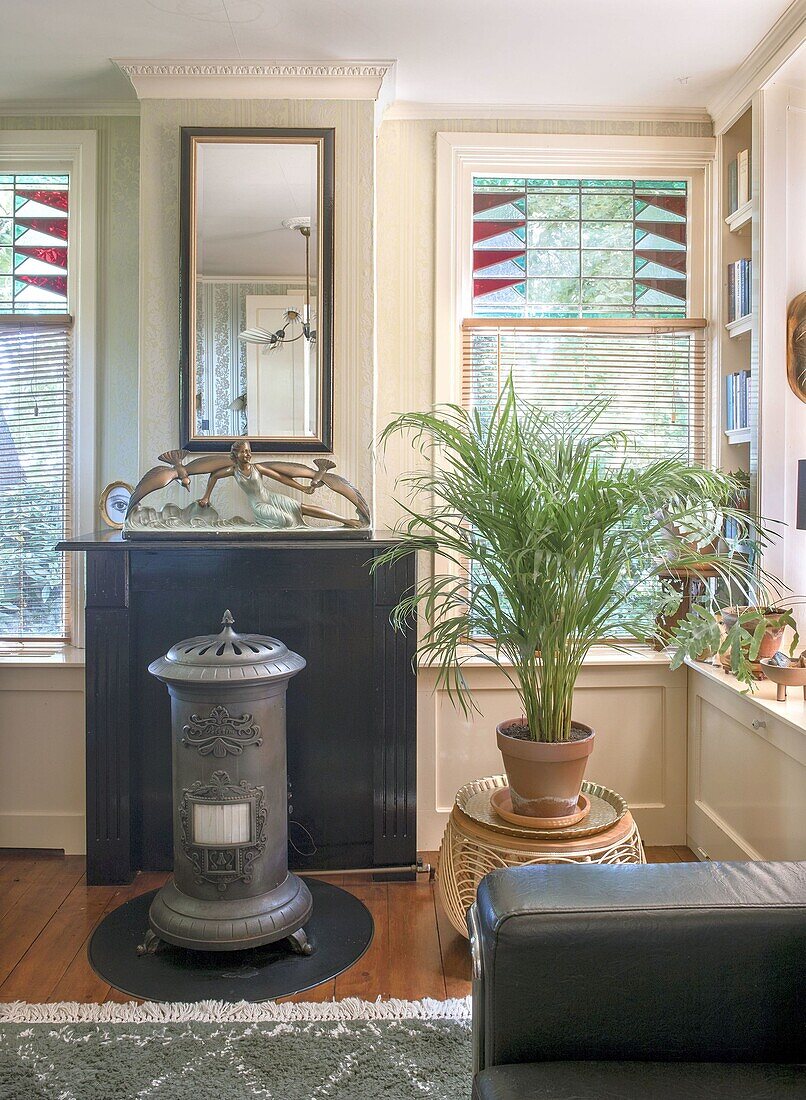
(344, 1050)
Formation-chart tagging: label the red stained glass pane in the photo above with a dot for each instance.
(488, 286)
(56, 284)
(55, 228)
(488, 257)
(46, 253)
(482, 231)
(57, 199)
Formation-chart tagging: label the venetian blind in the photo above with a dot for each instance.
(653, 373)
(35, 476)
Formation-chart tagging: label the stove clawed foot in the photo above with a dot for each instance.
(151, 944)
(298, 942)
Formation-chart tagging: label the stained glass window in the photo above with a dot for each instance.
(33, 243)
(579, 247)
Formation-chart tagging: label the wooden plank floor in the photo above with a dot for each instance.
(47, 914)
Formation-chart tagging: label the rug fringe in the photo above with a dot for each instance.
(72, 1012)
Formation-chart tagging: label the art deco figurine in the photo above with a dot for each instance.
(271, 511)
(275, 509)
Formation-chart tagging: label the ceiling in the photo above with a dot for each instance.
(605, 53)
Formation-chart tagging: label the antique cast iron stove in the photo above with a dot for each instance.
(231, 887)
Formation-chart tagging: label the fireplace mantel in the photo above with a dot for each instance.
(351, 714)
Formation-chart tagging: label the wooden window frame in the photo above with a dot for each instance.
(461, 156)
(73, 152)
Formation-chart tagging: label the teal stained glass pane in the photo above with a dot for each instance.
(607, 235)
(553, 185)
(607, 261)
(659, 311)
(660, 185)
(552, 262)
(601, 292)
(506, 212)
(28, 179)
(553, 292)
(607, 185)
(550, 204)
(607, 207)
(645, 212)
(505, 183)
(646, 240)
(545, 234)
(611, 312)
(644, 270)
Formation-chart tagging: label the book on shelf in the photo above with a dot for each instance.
(743, 178)
(740, 277)
(737, 406)
(738, 181)
(733, 187)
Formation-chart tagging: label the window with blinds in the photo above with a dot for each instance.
(653, 375)
(581, 289)
(35, 476)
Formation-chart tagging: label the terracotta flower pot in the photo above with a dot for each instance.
(545, 778)
(770, 643)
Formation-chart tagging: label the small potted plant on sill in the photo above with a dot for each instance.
(740, 638)
(547, 540)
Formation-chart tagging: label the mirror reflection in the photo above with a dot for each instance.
(256, 266)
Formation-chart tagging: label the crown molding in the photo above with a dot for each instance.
(408, 109)
(65, 108)
(760, 65)
(230, 79)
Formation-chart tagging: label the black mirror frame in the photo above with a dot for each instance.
(324, 331)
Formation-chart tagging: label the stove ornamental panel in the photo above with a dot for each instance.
(231, 888)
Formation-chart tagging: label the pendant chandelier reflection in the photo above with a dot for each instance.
(271, 341)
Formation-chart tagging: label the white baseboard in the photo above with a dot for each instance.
(43, 830)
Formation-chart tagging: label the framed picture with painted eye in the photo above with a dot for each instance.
(114, 503)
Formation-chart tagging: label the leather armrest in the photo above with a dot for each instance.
(687, 961)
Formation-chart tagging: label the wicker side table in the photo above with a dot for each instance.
(477, 841)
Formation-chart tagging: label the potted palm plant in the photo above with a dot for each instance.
(548, 539)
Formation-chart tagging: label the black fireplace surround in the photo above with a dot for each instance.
(351, 712)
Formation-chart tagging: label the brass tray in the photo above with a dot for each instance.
(607, 807)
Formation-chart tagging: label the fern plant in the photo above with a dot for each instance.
(547, 540)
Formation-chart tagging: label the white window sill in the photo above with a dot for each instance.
(630, 656)
(34, 655)
(792, 711)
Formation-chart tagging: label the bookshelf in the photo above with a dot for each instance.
(737, 303)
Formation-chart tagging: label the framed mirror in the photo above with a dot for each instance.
(256, 296)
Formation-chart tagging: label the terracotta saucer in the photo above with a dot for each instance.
(501, 802)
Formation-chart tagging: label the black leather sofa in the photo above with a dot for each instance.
(679, 981)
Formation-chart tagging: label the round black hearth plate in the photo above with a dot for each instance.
(340, 930)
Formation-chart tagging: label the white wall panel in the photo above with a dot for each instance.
(42, 758)
(636, 705)
(747, 774)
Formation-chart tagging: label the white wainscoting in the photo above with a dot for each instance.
(42, 757)
(635, 704)
(747, 770)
